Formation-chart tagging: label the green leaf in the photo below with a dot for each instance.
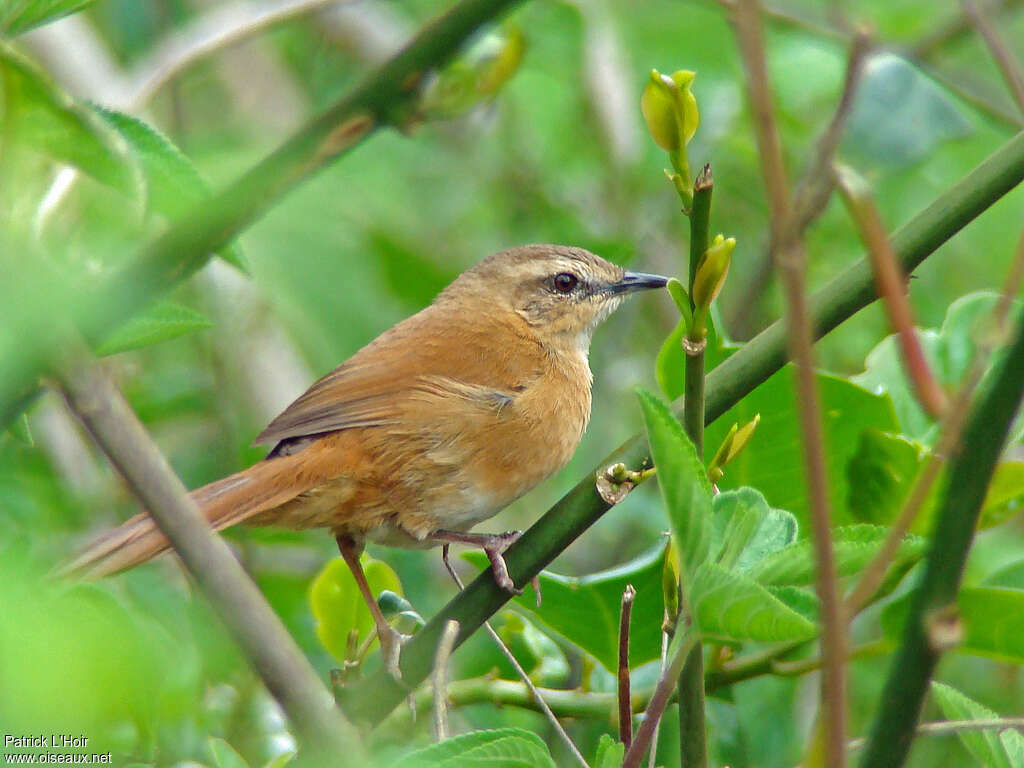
(499, 748)
(159, 322)
(609, 752)
(803, 600)
(991, 748)
(585, 610)
(733, 608)
(683, 482)
(747, 530)
(225, 756)
(338, 605)
(854, 547)
(773, 461)
(17, 16)
(949, 351)
(173, 184)
(899, 116)
(46, 119)
(880, 475)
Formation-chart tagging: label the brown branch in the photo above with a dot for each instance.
(747, 24)
(891, 287)
(815, 186)
(236, 599)
(625, 700)
(1008, 65)
(791, 262)
(659, 701)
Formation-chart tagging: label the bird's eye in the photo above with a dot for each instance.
(565, 282)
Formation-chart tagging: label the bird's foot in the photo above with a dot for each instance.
(494, 547)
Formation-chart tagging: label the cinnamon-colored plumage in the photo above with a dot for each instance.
(432, 427)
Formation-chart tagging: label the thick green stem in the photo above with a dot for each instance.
(933, 625)
(374, 697)
(690, 686)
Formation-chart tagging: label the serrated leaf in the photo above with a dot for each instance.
(338, 605)
(159, 322)
(683, 482)
(773, 461)
(853, 547)
(609, 752)
(46, 119)
(991, 748)
(17, 16)
(173, 184)
(747, 530)
(800, 599)
(585, 610)
(499, 748)
(733, 608)
(225, 756)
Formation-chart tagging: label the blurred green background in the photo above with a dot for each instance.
(138, 663)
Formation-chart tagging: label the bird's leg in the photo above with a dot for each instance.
(390, 639)
(493, 545)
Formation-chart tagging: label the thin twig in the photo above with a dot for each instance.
(815, 186)
(652, 755)
(891, 285)
(1008, 65)
(791, 264)
(954, 30)
(625, 700)
(659, 701)
(954, 727)
(956, 415)
(747, 24)
(542, 705)
(444, 652)
(258, 631)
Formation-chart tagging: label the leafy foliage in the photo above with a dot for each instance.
(995, 748)
(501, 748)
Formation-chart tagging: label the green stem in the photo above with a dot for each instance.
(374, 697)
(933, 622)
(690, 686)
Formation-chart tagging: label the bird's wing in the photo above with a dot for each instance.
(377, 386)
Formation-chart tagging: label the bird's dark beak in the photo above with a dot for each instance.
(638, 281)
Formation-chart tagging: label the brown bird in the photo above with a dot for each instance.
(431, 428)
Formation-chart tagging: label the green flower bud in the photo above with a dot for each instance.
(739, 442)
(713, 269)
(670, 110)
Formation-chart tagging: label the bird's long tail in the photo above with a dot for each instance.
(223, 503)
